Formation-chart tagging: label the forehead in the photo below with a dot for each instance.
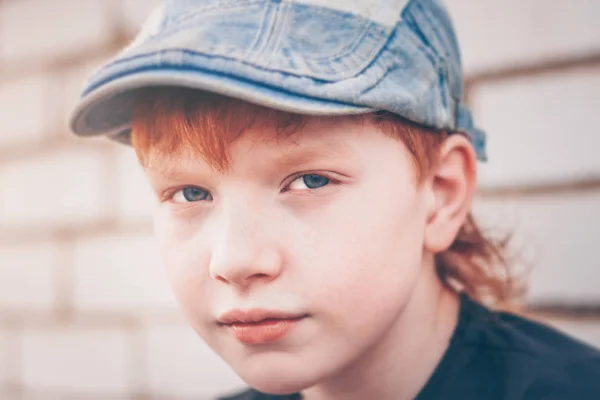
(319, 137)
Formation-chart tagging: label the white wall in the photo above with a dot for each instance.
(85, 311)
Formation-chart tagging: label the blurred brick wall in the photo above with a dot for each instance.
(85, 311)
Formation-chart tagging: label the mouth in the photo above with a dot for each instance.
(259, 326)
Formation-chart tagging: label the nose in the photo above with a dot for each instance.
(243, 253)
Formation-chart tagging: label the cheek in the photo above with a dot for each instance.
(370, 258)
(185, 265)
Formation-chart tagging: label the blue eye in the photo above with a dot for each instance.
(191, 194)
(309, 181)
(314, 181)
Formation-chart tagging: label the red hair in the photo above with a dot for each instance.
(169, 121)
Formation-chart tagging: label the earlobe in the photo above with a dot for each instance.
(452, 185)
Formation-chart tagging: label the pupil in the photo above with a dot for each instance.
(315, 181)
(194, 194)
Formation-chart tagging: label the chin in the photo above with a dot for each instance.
(276, 386)
(277, 380)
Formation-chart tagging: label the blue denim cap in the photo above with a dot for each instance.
(315, 57)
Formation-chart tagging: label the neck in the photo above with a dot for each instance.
(399, 365)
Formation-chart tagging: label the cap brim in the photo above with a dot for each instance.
(108, 108)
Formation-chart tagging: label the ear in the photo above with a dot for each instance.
(451, 185)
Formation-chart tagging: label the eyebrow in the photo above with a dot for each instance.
(303, 154)
(168, 168)
(292, 155)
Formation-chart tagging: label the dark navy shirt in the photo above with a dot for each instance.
(501, 356)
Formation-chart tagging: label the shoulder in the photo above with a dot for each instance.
(506, 332)
(248, 394)
(578, 380)
(243, 395)
(541, 360)
(251, 394)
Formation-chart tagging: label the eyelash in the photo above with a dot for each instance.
(168, 196)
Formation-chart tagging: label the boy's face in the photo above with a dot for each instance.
(327, 227)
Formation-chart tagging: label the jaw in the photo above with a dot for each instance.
(401, 361)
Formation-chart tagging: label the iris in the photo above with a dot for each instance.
(195, 194)
(314, 181)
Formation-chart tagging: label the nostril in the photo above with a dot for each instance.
(243, 267)
(258, 276)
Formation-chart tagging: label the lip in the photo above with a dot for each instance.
(259, 326)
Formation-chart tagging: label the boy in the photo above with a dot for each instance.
(314, 166)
